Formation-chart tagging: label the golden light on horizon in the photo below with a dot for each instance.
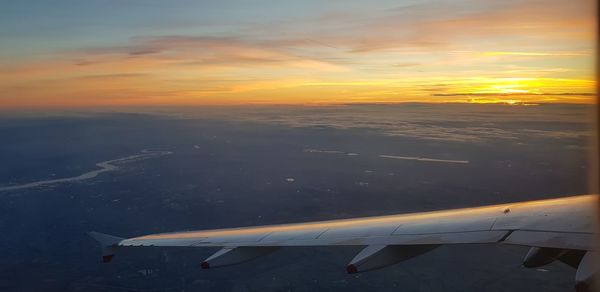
(444, 56)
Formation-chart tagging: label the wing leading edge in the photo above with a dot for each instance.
(565, 225)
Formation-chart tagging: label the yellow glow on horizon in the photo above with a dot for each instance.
(501, 101)
(156, 90)
(497, 55)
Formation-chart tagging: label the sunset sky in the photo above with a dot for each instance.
(72, 53)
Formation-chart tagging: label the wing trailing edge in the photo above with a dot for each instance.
(235, 255)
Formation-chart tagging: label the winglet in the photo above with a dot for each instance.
(108, 244)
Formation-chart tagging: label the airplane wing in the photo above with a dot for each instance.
(557, 229)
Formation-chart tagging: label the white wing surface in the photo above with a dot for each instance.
(556, 229)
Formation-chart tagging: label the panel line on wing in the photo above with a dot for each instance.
(322, 233)
(398, 227)
(446, 232)
(506, 236)
(494, 223)
(266, 235)
(555, 231)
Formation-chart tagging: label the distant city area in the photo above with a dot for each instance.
(133, 173)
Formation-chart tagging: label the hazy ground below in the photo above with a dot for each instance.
(263, 165)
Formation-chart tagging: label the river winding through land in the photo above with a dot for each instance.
(105, 166)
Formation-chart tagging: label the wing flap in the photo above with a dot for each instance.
(564, 240)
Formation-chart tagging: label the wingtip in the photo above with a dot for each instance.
(107, 258)
(351, 269)
(108, 243)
